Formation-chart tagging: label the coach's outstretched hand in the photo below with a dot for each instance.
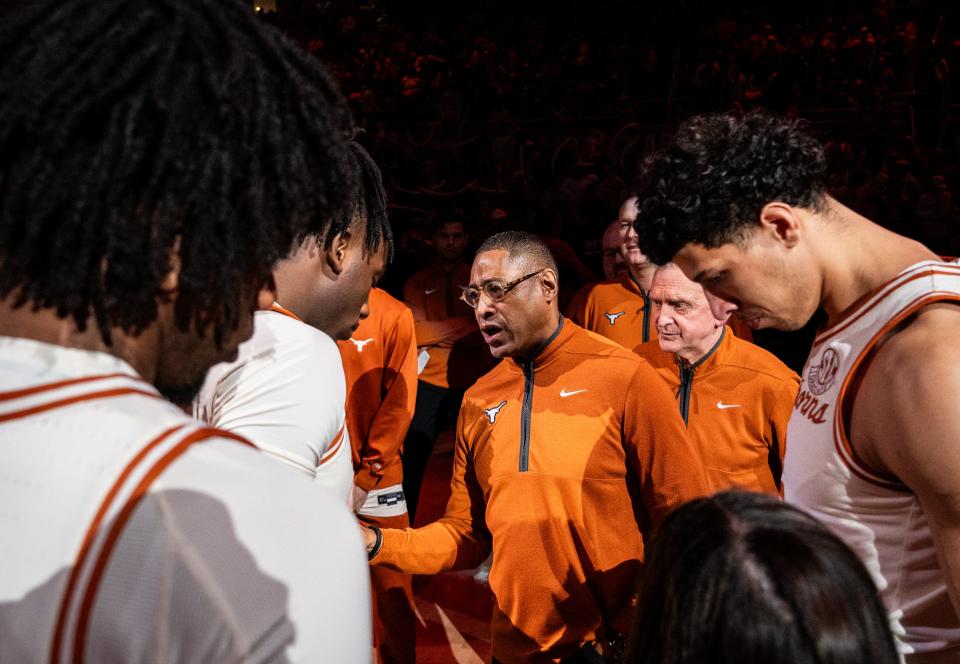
(371, 538)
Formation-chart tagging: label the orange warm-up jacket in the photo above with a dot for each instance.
(445, 326)
(737, 401)
(380, 365)
(561, 465)
(617, 309)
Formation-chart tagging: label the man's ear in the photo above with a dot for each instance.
(337, 253)
(550, 284)
(267, 294)
(781, 222)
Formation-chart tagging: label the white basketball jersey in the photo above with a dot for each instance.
(286, 391)
(872, 511)
(132, 533)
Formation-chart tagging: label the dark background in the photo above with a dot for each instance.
(536, 115)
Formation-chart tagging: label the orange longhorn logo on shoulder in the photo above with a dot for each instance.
(613, 317)
(360, 343)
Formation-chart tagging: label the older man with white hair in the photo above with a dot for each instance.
(735, 397)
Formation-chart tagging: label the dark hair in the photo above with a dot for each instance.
(710, 184)
(743, 577)
(443, 218)
(534, 251)
(131, 130)
(370, 205)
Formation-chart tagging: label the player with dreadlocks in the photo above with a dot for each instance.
(157, 157)
(286, 389)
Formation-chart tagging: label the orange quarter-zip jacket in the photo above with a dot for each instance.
(617, 309)
(620, 310)
(561, 464)
(380, 366)
(737, 401)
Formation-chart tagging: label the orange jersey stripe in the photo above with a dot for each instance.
(86, 605)
(841, 442)
(104, 394)
(332, 451)
(837, 327)
(36, 389)
(58, 631)
(286, 312)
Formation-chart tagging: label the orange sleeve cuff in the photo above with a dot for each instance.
(368, 479)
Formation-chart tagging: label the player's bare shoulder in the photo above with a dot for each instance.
(926, 341)
(905, 385)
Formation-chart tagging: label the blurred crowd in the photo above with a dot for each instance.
(537, 117)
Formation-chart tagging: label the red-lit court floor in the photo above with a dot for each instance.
(453, 609)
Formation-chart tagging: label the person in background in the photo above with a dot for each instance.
(612, 245)
(735, 398)
(380, 366)
(446, 333)
(619, 308)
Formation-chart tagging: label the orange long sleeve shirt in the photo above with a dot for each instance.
(617, 309)
(445, 326)
(737, 401)
(561, 464)
(380, 365)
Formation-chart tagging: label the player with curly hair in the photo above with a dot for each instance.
(739, 203)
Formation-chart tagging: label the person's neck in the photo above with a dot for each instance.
(139, 352)
(643, 275)
(288, 297)
(867, 257)
(695, 355)
(448, 265)
(306, 304)
(543, 336)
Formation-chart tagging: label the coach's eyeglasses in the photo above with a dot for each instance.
(495, 290)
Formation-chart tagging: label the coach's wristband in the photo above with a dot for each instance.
(376, 545)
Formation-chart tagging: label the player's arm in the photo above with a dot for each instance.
(905, 420)
(458, 540)
(380, 454)
(287, 400)
(668, 465)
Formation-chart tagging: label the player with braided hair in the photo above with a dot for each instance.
(122, 152)
(286, 388)
(157, 157)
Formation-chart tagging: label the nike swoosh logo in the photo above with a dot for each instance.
(564, 393)
(722, 405)
(430, 291)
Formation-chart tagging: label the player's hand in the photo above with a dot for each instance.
(358, 497)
